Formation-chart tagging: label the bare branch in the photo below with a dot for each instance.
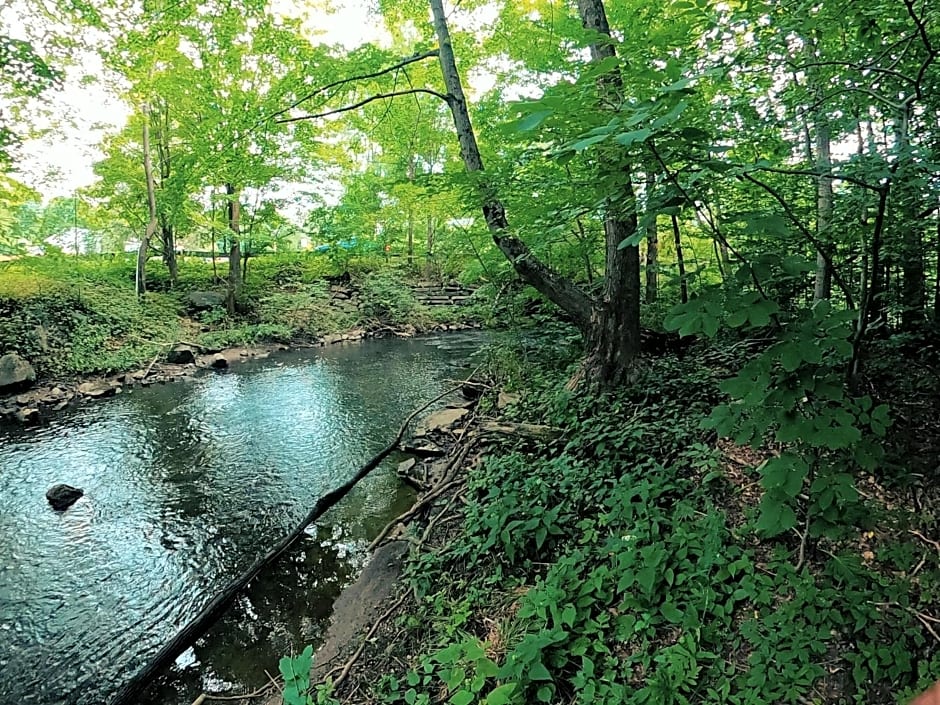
(857, 67)
(366, 101)
(836, 274)
(708, 218)
(361, 77)
(817, 174)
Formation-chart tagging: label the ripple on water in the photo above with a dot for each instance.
(185, 486)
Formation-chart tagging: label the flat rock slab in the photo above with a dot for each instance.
(359, 605)
(442, 420)
(506, 398)
(96, 388)
(423, 449)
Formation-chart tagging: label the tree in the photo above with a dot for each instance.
(610, 323)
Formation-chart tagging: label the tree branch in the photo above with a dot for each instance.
(818, 174)
(708, 218)
(361, 77)
(849, 299)
(366, 101)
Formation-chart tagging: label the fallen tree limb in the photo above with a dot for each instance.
(129, 693)
(528, 430)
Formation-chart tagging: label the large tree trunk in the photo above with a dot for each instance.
(411, 215)
(234, 254)
(168, 238)
(823, 287)
(143, 249)
(163, 154)
(615, 343)
(936, 283)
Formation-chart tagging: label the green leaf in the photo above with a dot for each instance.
(530, 122)
(583, 144)
(461, 697)
(538, 672)
(671, 116)
(671, 612)
(737, 318)
(790, 356)
(628, 138)
(501, 694)
(775, 516)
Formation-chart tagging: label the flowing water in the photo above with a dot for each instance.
(185, 486)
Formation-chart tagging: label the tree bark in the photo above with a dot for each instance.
(162, 123)
(936, 283)
(680, 260)
(616, 340)
(823, 286)
(143, 249)
(234, 254)
(652, 247)
(168, 237)
(913, 284)
(411, 215)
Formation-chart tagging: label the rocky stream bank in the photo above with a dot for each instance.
(26, 397)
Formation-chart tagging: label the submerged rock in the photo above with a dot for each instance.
(15, 373)
(62, 496)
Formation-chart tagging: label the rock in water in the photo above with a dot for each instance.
(15, 373)
(181, 355)
(61, 497)
(219, 361)
(96, 388)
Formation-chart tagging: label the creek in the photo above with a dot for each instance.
(185, 486)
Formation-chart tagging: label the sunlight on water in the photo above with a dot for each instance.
(186, 485)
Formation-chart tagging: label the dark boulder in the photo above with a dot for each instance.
(61, 497)
(181, 355)
(204, 300)
(15, 373)
(219, 361)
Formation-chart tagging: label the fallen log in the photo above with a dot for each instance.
(130, 692)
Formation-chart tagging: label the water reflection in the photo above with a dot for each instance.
(186, 485)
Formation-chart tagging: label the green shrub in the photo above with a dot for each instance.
(386, 297)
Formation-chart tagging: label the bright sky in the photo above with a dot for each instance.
(62, 160)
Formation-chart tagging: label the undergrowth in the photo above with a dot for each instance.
(624, 563)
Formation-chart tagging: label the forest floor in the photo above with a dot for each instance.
(615, 559)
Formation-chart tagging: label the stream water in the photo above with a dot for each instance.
(186, 485)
